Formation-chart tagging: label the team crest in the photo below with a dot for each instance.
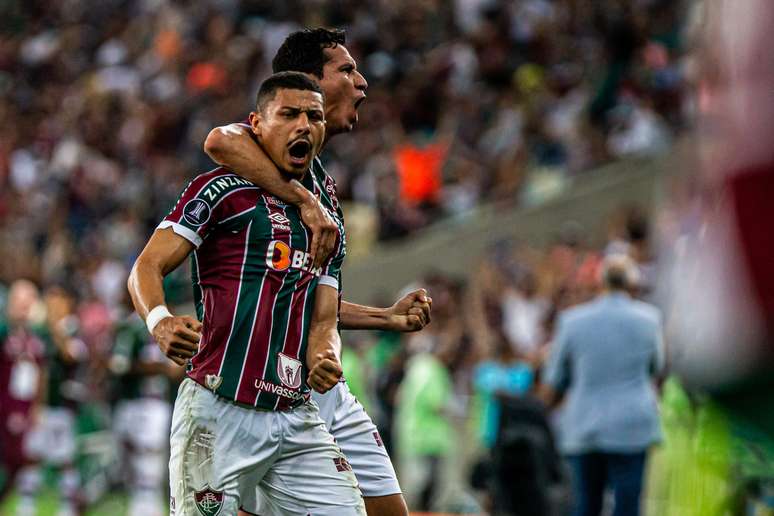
(208, 501)
(213, 381)
(289, 371)
(196, 212)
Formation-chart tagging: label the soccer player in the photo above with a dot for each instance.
(321, 54)
(22, 378)
(142, 390)
(51, 441)
(242, 416)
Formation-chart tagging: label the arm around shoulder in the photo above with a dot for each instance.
(233, 147)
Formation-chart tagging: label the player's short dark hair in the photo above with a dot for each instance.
(284, 81)
(303, 51)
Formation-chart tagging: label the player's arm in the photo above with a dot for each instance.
(409, 313)
(233, 147)
(324, 350)
(178, 337)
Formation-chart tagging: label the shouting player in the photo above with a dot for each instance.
(321, 54)
(268, 332)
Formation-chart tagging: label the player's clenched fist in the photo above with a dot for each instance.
(411, 312)
(178, 337)
(325, 372)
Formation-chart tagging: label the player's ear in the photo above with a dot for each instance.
(255, 122)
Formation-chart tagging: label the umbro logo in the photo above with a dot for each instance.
(279, 218)
(279, 221)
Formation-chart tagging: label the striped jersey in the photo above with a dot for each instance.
(254, 286)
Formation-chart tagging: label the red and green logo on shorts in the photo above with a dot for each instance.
(208, 501)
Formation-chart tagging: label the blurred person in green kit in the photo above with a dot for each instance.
(425, 400)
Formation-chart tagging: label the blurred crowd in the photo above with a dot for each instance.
(104, 107)
(490, 336)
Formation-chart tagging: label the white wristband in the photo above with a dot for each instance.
(156, 315)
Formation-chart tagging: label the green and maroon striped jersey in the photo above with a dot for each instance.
(253, 285)
(133, 347)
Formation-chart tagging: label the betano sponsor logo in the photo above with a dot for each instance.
(281, 257)
(279, 390)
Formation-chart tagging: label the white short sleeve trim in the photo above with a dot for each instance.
(181, 230)
(329, 281)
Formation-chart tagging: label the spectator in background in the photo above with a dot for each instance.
(424, 432)
(144, 384)
(633, 240)
(501, 374)
(51, 441)
(425, 398)
(604, 356)
(22, 377)
(524, 311)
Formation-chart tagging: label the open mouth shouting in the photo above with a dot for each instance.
(300, 151)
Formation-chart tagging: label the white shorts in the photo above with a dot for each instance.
(221, 451)
(143, 423)
(52, 439)
(358, 438)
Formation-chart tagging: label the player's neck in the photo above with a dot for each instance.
(329, 134)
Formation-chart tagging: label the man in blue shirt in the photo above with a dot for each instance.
(604, 357)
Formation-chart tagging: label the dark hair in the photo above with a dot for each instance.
(302, 51)
(616, 279)
(637, 226)
(284, 81)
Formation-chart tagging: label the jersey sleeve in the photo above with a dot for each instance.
(191, 217)
(331, 273)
